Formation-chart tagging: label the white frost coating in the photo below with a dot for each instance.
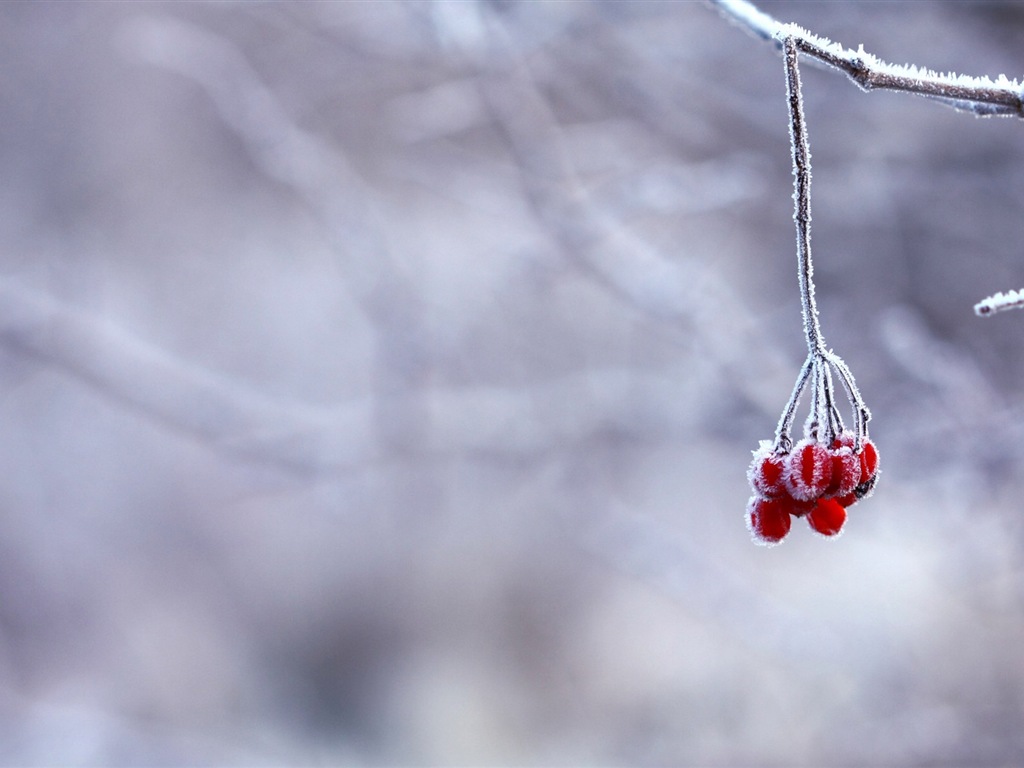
(1000, 302)
(820, 43)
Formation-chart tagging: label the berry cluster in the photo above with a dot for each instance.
(814, 479)
(831, 468)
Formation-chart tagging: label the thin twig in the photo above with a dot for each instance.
(783, 439)
(979, 95)
(861, 412)
(802, 198)
(999, 302)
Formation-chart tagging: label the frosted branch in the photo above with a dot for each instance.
(999, 302)
(979, 95)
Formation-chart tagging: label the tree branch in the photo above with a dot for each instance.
(981, 96)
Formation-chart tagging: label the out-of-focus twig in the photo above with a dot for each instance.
(320, 175)
(233, 418)
(182, 396)
(680, 291)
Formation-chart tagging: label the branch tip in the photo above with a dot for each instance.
(999, 302)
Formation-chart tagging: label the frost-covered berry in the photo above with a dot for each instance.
(808, 470)
(766, 472)
(827, 517)
(868, 459)
(868, 470)
(846, 472)
(768, 520)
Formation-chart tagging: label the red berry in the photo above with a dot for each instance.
(765, 473)
(846, 472)
(808, 470)
(868, 460)
(848, 500)
(868, 469)
(768, 520)
(827, 517)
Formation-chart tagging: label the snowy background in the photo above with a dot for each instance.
(379, 380)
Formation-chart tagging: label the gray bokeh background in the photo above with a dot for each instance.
(379, 379)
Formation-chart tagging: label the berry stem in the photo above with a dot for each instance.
(861, 412)
(783, 440)
(835, 419)
(802, 196)
(813, 423)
